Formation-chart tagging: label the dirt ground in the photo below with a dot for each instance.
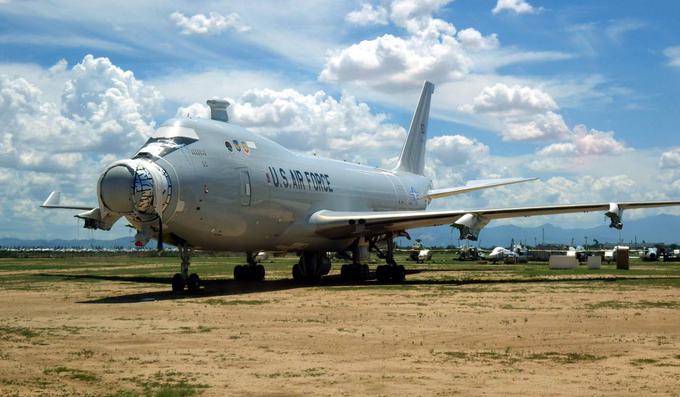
(126, 338)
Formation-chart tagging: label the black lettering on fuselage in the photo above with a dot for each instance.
(283, 177)
(314, 181)
(330, 189)
(298, 176)
(275, 177)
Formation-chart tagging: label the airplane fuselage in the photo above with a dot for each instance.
(233, 189)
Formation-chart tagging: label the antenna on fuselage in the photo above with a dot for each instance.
(218, 109)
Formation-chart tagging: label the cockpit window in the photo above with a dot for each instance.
(160, 147)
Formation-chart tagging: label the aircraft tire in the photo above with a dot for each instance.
(194, 282)
(297, 273)
(239, 273)
(259, 273)
(177, 283)
(344, 272)
(382, 273)
(398, 273)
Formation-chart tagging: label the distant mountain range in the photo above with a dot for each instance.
(657, 229)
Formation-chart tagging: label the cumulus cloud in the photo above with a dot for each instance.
(103, 108)
(115, 105)
(673, 55)
(541, 126)
(526, 113)
(368, 14)
(585, 142)
(504, 99)
(516, 6)
(432, 49)
(318, 123)
(670, 159)
(210, 24)
(105, 113)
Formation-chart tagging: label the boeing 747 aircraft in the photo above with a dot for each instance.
(211, 185)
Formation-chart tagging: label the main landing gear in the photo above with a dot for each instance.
(384, 273)
(250, 272)
(312, 265)
(390, 271)
(183, 279)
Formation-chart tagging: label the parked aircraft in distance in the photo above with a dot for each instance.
(501, 254)
(211, 185)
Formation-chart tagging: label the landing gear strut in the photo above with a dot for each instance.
(354, 271)
(184, 279)
(391, 271)
(250, 272)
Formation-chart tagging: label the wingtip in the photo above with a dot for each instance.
(53, 199)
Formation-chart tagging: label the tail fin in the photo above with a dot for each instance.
(412, 158)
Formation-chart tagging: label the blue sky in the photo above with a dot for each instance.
(583, 94)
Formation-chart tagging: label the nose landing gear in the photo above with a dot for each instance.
(183, 279)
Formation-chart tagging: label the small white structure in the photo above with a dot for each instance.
(563, 262)
(594, 262)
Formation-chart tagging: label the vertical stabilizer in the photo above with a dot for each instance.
(412, 157)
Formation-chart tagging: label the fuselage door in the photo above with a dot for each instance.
(245, 187)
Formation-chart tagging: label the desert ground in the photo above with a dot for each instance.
(108, 326)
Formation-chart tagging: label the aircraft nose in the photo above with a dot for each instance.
(135, 186)
(115, 189)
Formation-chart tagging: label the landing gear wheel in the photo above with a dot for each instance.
(297, 273)
(354, 272)
(259, 273)
(398, 273)
(385, 273)
(239, 273)
(382, 273)
(177, 283)
(193, 283)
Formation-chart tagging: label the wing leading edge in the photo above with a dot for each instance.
(343, 224)
(474, 185)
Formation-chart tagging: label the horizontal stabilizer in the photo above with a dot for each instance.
(54, 199)
(473, 185)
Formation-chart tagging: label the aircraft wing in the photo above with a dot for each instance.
(343, 224)
(473, 185)
(54, 201)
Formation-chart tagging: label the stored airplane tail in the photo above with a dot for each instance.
(412, 158)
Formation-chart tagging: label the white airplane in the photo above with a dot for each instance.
(210, 185)
(501, 254)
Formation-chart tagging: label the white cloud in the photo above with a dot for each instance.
(473, 39)
(117, 107)
(368, 15)
(541, 126)
(103, 108)
(585, 143)
(105, 113)
(213, 23)
(670, 159)
(619, 28)
(393, 62)
(501, 98)
(316, 123)
(525, 113)
(516, 6)
(673, 55)
(58, 67)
